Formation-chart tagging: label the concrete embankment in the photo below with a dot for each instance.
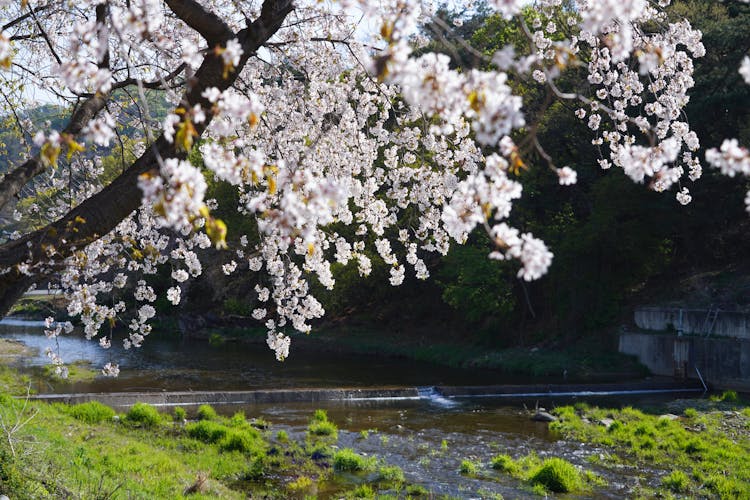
(546, 390)
(724, 363)
(192, 398)
(716, 322)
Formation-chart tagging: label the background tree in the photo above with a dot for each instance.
(344, 152)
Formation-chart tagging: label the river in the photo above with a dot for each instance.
(427, 437)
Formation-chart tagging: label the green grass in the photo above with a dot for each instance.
(676, 481)
(469, 468)
(350, 461)
(320, 426)
(504, 463)
(74, 452)
(207, 431)
(391, 474)
(726, 397)
(206, 412)
(179, 414)
(705, 453)
(61, 451)
(144, 415)
(558, 475)
(13, 383)
(92, 412)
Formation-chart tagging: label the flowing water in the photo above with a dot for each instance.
(427, 436)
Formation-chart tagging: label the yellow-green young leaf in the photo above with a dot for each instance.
(217, 232)
(185, 133)
(73, 148)
(50, 153)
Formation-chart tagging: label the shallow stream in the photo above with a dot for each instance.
(427, 437)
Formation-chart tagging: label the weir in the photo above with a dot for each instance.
(444, 396)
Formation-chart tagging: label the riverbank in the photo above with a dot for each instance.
(587, 360)
(689, 448)
(698, 451)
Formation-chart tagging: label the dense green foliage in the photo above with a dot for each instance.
(612, 239)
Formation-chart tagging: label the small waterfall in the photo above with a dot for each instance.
(433, 396)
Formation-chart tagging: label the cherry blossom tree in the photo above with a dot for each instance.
(335, 130)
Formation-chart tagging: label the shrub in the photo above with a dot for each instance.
(240, 440)
(644, 429)
(615, 426)
(695, 445)
(690, 413)
(216, 339)
(321, 426)
(256, 469)
(238, 420)
(391, 474)
(729, 397)
(92, 412)
(206, 431)
(348, 460)
(724, 487)
(469, 468)
(302, 483)
(206, 412)
(504, 463)
(323, 429)
(282, 437)
(320, 415)
(416, 490)
(676, 481)
(179, 414)
(319, 451)
(259, 423)
(143, 414)
(558, 475)
(362, 491)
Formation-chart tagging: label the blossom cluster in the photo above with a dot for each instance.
(320, 131)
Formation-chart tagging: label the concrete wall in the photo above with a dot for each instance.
(724, 363)
(693, 321)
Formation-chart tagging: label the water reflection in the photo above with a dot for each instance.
(171, 363)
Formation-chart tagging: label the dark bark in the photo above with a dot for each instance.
(209, 25)
(17, 178)
(100, 214)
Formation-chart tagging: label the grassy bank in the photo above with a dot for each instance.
(702, 450)
(700, 453)
(87, 451)
(699, 449)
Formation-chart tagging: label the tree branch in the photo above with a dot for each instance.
(99, 214)
(209, 25)
(17, 178)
